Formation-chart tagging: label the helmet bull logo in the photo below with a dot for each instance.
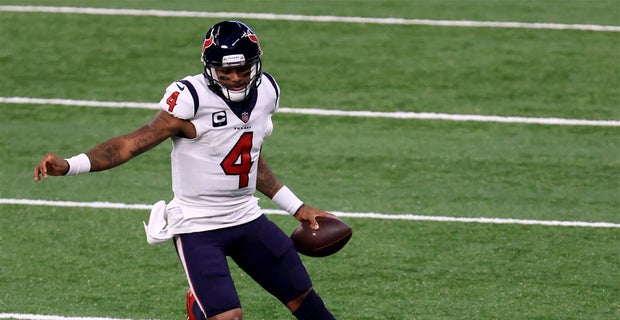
(252, 37)
(207, 43)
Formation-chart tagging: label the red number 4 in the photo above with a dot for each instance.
(238, 162)
(172, 100)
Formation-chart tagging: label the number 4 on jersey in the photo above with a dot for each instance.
(238, 162)
(172, 100)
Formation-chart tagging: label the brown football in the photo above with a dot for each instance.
(332, 235)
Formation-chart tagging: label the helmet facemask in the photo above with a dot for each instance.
(231, 44)
(234, 95)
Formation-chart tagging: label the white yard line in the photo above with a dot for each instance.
(308, 18)
(341, 113)
(367, 215)
(25, 316)
(315, 111)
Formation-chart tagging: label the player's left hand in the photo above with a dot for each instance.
(309, 213)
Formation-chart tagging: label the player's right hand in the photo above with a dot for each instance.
(50, 165)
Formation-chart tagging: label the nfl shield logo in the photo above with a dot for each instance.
(245, 117)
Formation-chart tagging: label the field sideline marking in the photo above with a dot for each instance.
(325, 112)
(368, 215)
(308, 18)
(25, 316)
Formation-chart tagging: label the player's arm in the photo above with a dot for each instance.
(118, 150)
(121, 149)
(268, 184)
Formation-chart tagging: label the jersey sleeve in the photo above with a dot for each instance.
(179, 101)
(272, 82)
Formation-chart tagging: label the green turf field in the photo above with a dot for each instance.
(88, 262)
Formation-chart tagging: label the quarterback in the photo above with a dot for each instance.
(217, 121)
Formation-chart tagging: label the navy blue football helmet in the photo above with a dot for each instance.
(231, 44)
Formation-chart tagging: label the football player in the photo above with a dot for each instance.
(217, 121)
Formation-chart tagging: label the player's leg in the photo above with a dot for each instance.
(213, 294)
(309, 306)
(270, 258)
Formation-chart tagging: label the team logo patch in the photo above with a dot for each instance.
(245, 117)
(252, 37)
(207, 43)
(219, 119)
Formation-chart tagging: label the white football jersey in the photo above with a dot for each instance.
(214, 175)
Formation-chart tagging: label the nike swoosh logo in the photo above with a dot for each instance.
(180, 87)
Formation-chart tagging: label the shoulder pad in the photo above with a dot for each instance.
(276, 89)
(180, 100)
(273, 83)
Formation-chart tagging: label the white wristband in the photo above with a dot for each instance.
(78, 164)
(287, 200)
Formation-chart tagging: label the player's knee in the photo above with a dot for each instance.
(295, 303)
(309, 306)
(194, 312)
(234, 314)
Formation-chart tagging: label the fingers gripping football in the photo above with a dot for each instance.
(309, 213)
